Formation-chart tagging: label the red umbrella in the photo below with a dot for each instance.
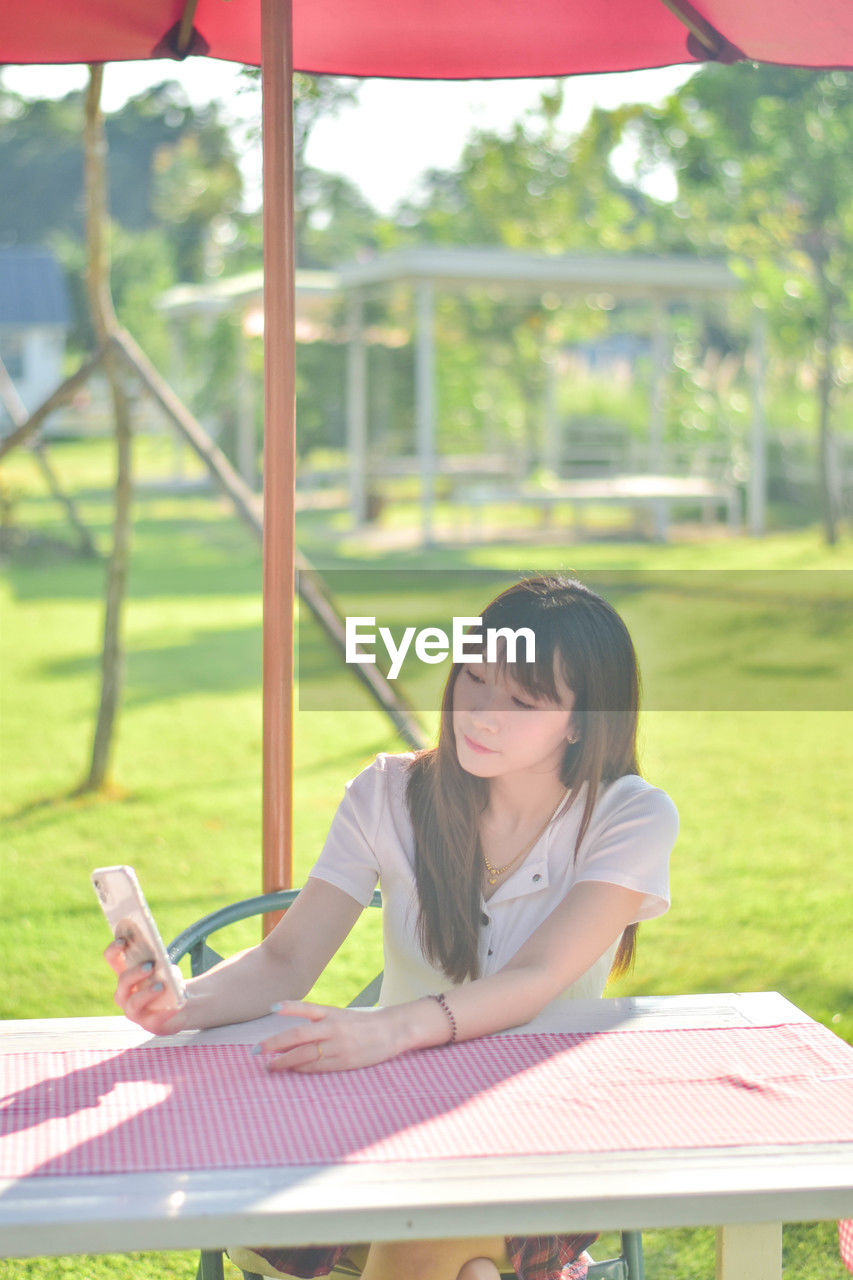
(442, 39)
(435, 39)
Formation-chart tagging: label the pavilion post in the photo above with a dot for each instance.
(247, 465)
(657, 410)
(279, 442)
(425, 401)
(657, 406)
(180, 380)
(756, 497)
(550, 452)
(357, 410)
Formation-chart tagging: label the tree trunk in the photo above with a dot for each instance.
(105, 325)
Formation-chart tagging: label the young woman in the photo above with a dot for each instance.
(516, 859)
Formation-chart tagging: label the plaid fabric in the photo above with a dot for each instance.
(187, 1107)
(306, 1262)
(548, 1257)
(532, 1258)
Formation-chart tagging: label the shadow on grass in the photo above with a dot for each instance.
(61, 803)
(169, 557)
(210, 661)
(41, 811)
(710, 639)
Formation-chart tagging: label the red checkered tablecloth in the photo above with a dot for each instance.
(845, 1242)
(213, 1106)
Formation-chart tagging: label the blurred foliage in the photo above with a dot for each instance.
(174, 189)
(763, 160)
(756, 163)
(536, 189)
(333, 222)
(157, 143)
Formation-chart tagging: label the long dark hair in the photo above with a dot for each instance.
(582, 635)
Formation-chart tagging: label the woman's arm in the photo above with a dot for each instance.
(591, 917)
(284, 966)
(578, 931)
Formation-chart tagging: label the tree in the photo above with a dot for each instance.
(317, 196)
(196, 189)
(536, 188)
(41, 159)
(41, 155)
(532, 188)
(337, 222)
(174, 190)
(105, 326)
(763, 157)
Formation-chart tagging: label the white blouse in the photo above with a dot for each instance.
(628, 842)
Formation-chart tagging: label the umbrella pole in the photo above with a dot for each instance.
(279, 448)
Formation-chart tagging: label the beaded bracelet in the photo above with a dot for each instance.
(454, 1030)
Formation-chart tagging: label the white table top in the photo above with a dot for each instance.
(524, 1195)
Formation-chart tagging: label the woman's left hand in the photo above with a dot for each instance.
(331, 1039)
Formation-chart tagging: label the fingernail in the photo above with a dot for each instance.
(158, 986)
(148, 966)
(257, 1048)
(276, 1008)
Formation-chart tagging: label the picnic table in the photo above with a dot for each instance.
(646, 492)
(726, 1110)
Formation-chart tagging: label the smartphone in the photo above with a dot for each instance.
(131, 921)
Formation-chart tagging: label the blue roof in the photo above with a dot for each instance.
(32, 288)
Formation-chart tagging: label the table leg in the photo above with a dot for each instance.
(752, 1249)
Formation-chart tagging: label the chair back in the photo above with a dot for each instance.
(192, 941)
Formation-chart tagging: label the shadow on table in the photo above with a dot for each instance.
(162, 1106)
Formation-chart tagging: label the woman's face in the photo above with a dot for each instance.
(500, 729)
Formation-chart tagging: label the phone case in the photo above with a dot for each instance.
(129, 917)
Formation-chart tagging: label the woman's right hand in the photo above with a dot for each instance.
(141, 997)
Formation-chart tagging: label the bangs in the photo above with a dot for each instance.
(538, 679)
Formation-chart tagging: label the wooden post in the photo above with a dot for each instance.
(279, 442)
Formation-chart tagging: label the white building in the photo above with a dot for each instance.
(35, 315)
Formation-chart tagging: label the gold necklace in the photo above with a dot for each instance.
(495, 872)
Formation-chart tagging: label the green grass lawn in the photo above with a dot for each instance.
(761, 872)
